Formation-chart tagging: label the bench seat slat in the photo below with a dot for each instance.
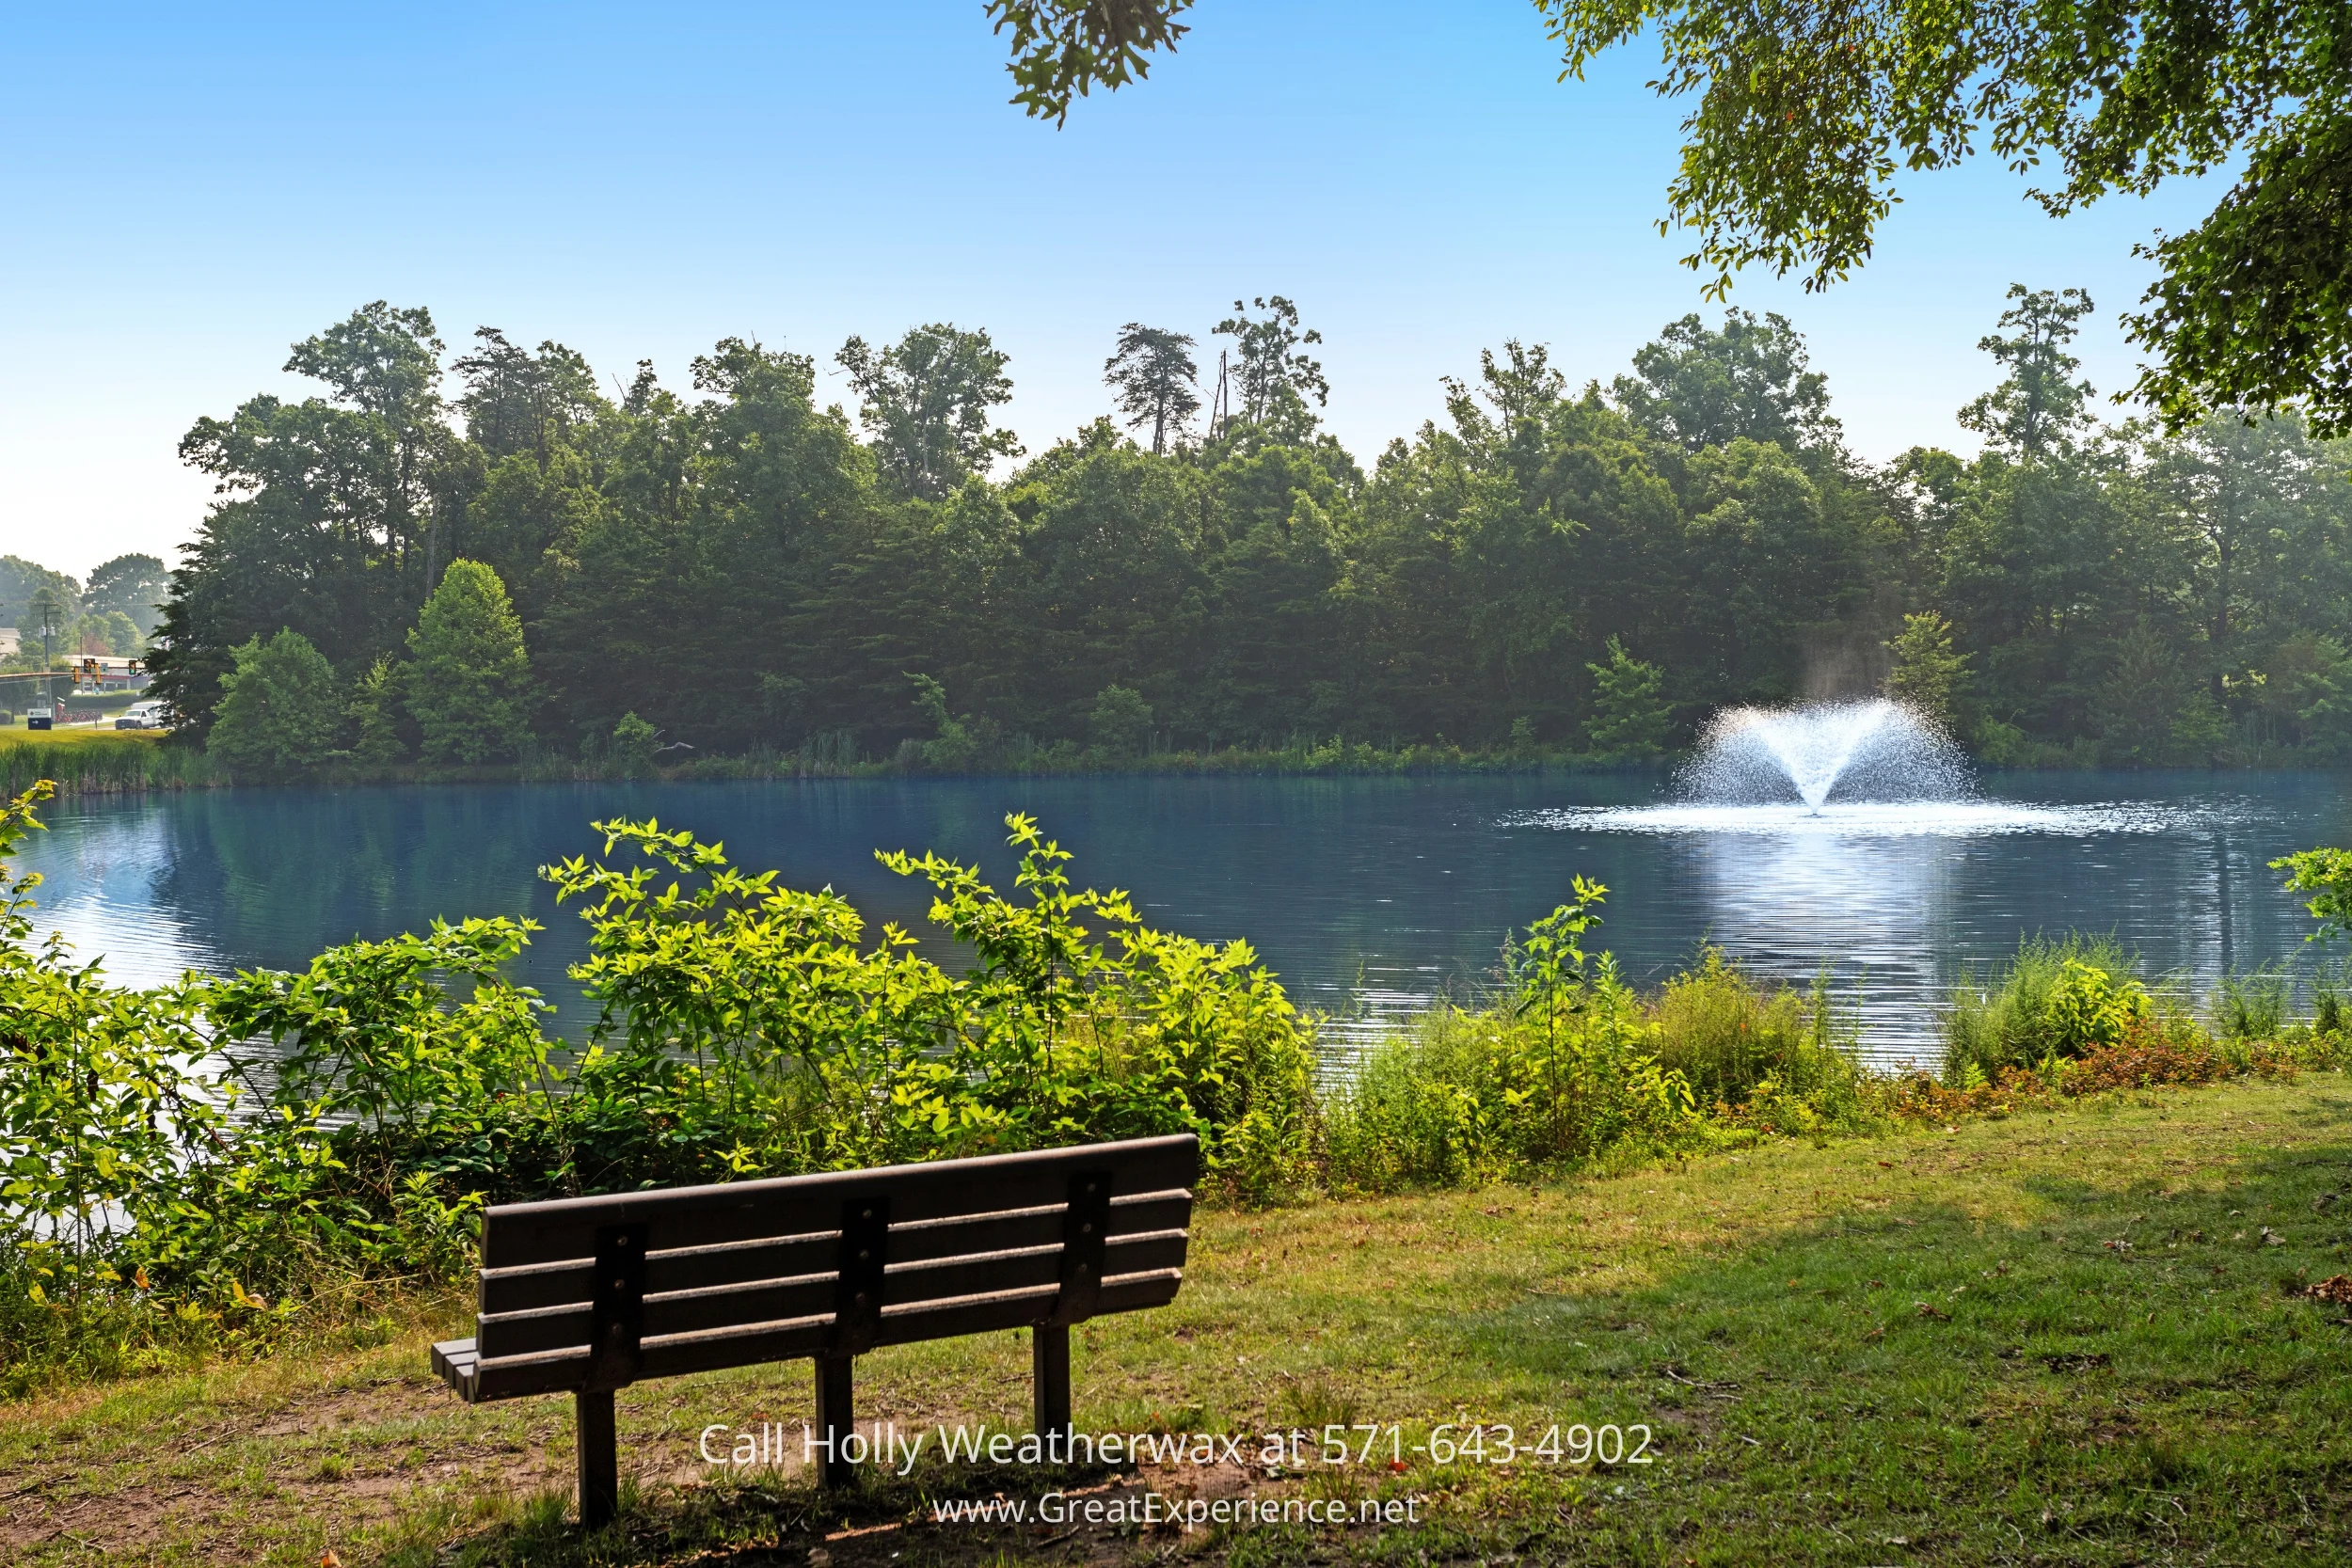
(1133, 1292)
(514, 1376)
(750, 1346)
(974, 1314)
(907, 1285)
(1157, 1249)
(960, 1238)
(452, 1361)
(518, 1234)
(1161, 1210)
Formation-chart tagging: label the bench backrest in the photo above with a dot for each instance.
(596, 1292)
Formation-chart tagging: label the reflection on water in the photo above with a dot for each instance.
(1368, 896)
(1786, 901)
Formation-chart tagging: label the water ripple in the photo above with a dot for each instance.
(1872, 819)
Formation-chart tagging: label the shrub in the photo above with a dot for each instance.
(280, 710)
(2252, 1006)
(827, 1053)
(1120, 722)
(2056, 999)
(1563, 1071)
(1729, 1035)
(629, 752)
(2146, 1057)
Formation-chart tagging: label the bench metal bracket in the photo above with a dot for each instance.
(1082, 1249)
(857, 1302)
(619, 1306)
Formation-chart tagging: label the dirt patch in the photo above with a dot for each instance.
(326, 1411)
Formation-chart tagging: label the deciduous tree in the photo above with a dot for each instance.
(2038, 406)
(280, 708)
(1276, 375)
(926, 405)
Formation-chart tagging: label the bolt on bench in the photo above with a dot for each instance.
(591, 1295)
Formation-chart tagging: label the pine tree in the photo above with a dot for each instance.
(1928, 675)
(1630, 717)
(375, 715)
(470, 680)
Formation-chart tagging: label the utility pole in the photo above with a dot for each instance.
(45, 608)
(1220, 409)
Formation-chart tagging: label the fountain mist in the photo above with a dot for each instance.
(1874, 750)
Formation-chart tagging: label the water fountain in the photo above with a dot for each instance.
(1865, 769)
(1873, 750)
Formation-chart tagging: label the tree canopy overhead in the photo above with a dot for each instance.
(1806, 114)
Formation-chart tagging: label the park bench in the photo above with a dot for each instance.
(590, 1294)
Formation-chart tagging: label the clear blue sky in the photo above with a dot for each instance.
(189, 189)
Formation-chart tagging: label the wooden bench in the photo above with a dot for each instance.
(591, 1295)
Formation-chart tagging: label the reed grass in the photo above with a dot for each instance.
(103, 762)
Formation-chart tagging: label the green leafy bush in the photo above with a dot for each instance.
(1567, 1067)
(1729, 1035)
(2056, 1000)
(211, 1156)
(280, 710)
(764, 1007)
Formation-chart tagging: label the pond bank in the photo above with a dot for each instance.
(2045, 1329)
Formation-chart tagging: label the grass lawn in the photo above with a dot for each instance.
(2061, 1338)
(17, 733)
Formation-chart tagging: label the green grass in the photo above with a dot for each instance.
(2058, 1338)
(19, 735)
(87, 760)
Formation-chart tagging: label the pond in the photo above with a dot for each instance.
(1369, 895)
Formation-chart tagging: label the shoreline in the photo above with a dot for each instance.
(99, 763)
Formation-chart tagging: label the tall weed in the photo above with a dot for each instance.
(1569, 1066)
(2056, 1000)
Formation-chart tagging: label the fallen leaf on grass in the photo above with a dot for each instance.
(1926, 1311)
(2335, 1289)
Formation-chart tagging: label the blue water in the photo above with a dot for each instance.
(1368, 896)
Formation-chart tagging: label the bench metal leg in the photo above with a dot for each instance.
(834, 1419)
(1049, 1374)
(599, 1458)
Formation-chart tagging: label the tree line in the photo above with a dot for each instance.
(473, 558)
(111, 613)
